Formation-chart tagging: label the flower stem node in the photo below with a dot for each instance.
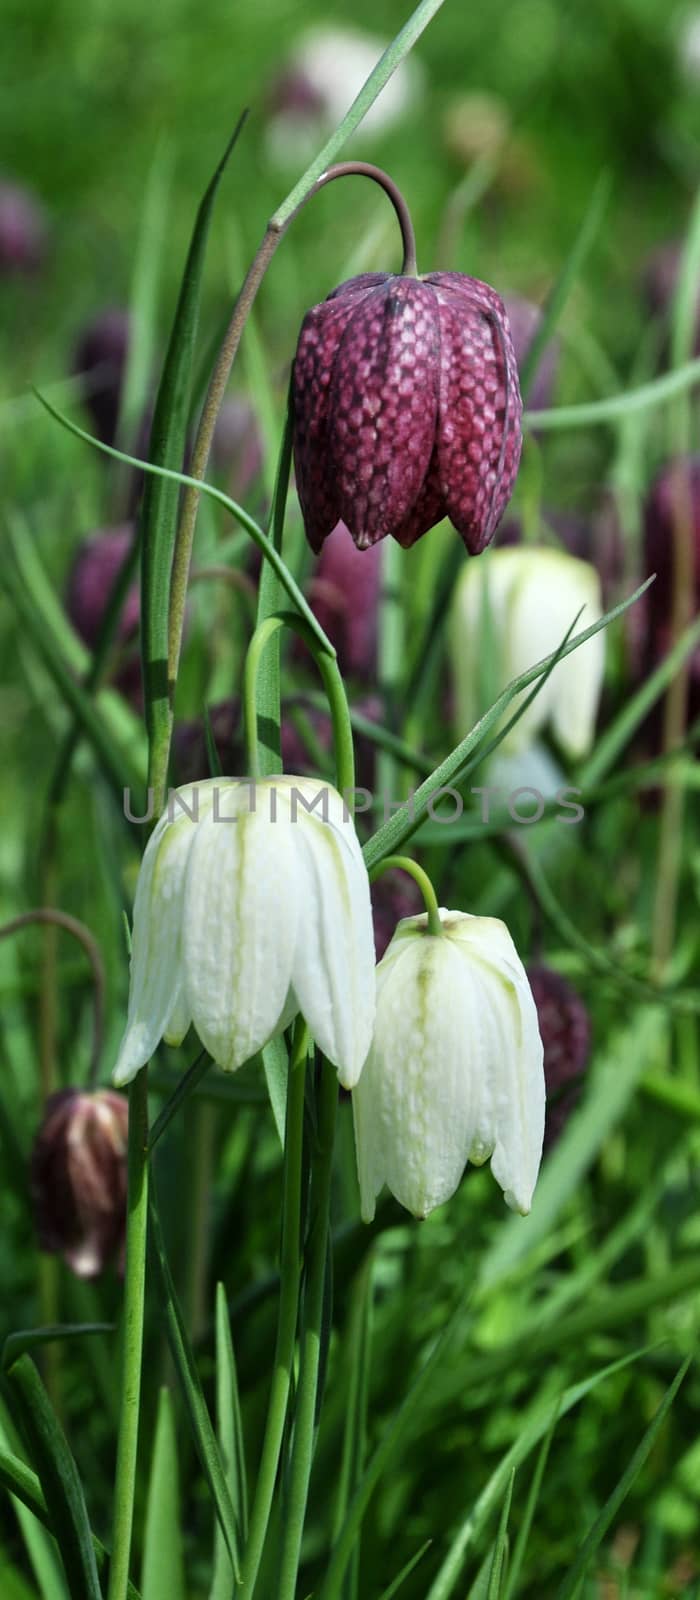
(455, 1070)
(252, 904)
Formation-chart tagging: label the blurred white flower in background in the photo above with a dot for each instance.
(317, 84)
(455, 1071)
(252, 909)
(688, 45)
(511, 608)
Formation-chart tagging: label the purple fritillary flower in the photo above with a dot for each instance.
(78, 1178)
(653, 626)
(407, 409)
(344, 595)
(97, 562)
(99, 360)
(22, 231)
(524, 318)
(565, 1031)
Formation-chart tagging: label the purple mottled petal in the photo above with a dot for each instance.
(359, 285)
(383, 403)
(429, 508)
(313, 364)
(478, 432)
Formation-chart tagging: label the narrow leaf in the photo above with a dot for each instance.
(200, 1421)
(59, 1479)
(158, 521)
(529, 1513)
(395, 1585)
(230, 1435)
(500, 1546)
(163, 1573)
(25, 1339)
(597, 1532)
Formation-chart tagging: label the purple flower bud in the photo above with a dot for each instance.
(678, 482)
(237, 445)
(97, 563)
(565, 1031)
(78, 1178)
(525, 319)
(99, 360)
(22, 231)
(394, 895)
(659, 284)
(407, 409)
(344, 594)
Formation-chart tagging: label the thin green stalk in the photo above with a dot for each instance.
(316, 1258)
(405, 864)
(134, 1299)
(61, 919)
(333, 686)
(290, 1268)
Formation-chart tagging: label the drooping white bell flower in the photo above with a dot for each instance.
(252, 904)
(455, 1072)
(510, 610)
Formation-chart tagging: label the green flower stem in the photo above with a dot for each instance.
(333, 685)
(405, 864)
(134, 1299)
(290, 1267)
(316, 1258)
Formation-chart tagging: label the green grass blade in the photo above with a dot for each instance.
(518, 1557)
(143, 299)
(58, 1475)
(394, 832)
(597, 1532)
(271, 554)
(17, 1344)
(23, 1484)
(534, 1428)
(619, 732)
(556, 300)
(633, 1048)
(354, 1436)
(229, 1428)
(501, 1544)
(163, 1572)
(395, 1585)
(188, 1377)
(158, 521)
(117, 765)
(616, 407)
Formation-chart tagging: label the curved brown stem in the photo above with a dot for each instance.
(61, 919)
(219, 380)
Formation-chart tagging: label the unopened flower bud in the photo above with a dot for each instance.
(565, 1031)
(78, 1178)
(407, 409)
(674, 495)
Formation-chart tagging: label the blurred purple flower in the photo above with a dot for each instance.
(237, 445)
(394, 895)
(22, 231)
(525, 318)
(652, 626)
(344, 595)
(78, 1178)
(96, 565)
(99, 360)
(565, 1031)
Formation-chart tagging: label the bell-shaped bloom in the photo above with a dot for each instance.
(406, 409)
(455, 1070)
(78, 1178)
(507, 614)
(252, 904)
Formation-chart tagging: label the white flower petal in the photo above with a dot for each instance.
(414, 1105)
(156, 944)
(333, 971)
(241, 912)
